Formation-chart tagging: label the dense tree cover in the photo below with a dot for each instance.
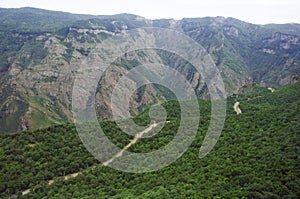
(257, 156)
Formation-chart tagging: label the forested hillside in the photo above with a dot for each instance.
(257, 156)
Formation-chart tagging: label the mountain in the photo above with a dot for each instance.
(257, 156)
(41, 51)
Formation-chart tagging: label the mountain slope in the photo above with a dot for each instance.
(255, 157)
(40, 52)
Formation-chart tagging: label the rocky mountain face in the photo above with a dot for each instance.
(40, 52)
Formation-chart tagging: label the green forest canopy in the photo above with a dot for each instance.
(257, 156)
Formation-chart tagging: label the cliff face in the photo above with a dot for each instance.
(41, 52)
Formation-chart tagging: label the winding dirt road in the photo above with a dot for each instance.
(119, 154)
(237, 108)
(271, 89)
(133, 141)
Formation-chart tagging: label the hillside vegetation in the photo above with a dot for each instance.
(257, 156)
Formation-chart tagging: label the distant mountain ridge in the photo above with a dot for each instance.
(40, 51)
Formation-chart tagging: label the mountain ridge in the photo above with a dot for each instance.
(41, 50)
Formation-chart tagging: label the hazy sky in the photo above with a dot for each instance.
(254, 11)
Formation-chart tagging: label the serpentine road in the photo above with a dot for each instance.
(119, 154)
(237, 108)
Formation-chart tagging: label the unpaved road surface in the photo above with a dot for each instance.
(119, 154)
(237, 108)
(133, 141)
